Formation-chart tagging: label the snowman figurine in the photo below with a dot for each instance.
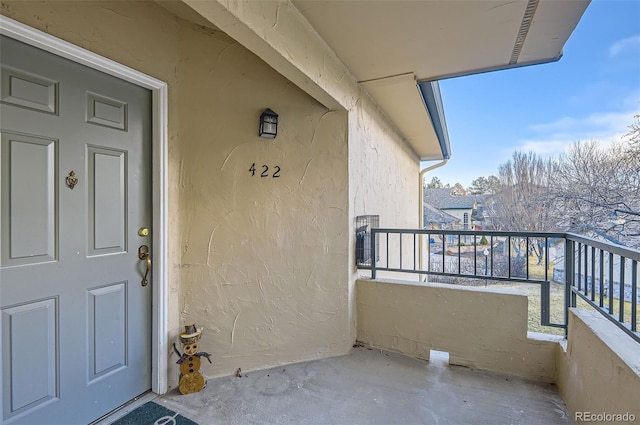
(191, 378)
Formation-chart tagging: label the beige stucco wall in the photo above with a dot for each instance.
(264, 264)
(263, 261)
(599, 368)
(479, 328)
(383, 170)
(383, 180)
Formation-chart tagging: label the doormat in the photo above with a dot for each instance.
(151, 413)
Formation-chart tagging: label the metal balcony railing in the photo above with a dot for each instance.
(606, 277)
(602, 274)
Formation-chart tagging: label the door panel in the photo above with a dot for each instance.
(107, 171)
(32, 372)
(107, 329)
(29, 90)
(29, 166)
(76, 323)
(102, 110)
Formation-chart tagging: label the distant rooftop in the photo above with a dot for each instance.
(443, 199)
(432, 215)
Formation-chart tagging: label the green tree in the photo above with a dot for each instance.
(485, 185)
(436, 183)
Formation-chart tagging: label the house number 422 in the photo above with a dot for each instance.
(264, 171)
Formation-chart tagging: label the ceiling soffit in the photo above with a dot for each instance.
(392, 45)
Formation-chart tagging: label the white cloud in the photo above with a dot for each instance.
(556, 137)
(561, 124)
(545, 147)
(624, 44)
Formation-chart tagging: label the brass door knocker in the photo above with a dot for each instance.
(72, 180)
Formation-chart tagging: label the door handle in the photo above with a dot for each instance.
(143, 255)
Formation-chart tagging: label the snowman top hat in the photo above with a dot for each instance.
(191, 333)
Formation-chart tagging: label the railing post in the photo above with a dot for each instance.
(545, 298)
(634, 296)
(373, 253)
(568, 281)
(621, 291)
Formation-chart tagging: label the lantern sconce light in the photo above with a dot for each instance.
(268, 124)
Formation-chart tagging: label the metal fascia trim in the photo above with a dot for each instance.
(430, 93)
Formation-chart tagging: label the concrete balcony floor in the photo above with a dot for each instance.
(370, 386)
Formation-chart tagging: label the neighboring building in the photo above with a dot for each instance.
(150, 110)
(438, 219)
(466, 209)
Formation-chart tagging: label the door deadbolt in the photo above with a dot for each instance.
(143, 231)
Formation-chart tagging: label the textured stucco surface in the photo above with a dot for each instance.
(479, 328)
(383, 170)
(599, 367)
(264, 264)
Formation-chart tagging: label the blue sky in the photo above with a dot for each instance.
(593, 92)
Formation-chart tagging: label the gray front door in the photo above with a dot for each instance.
(76, 321)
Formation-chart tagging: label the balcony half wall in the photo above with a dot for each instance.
(599, 367)
(479, 328)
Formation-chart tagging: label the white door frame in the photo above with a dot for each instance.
(16, 30)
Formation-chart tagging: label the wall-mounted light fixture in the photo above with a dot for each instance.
(268, 124)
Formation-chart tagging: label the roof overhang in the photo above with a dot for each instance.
(396, 49)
